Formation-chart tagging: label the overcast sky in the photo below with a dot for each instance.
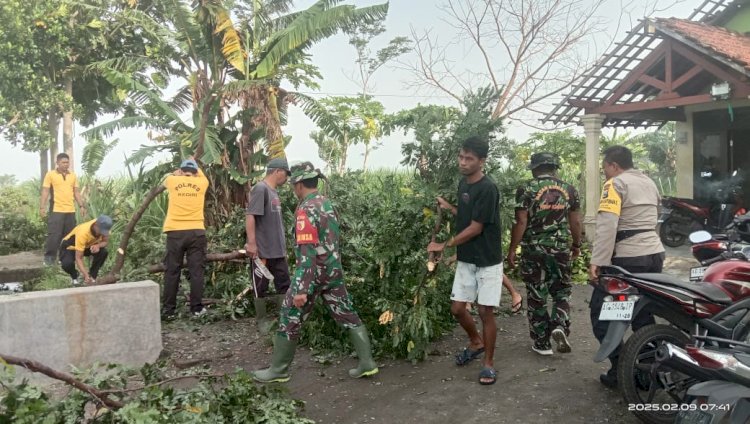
(336, 59)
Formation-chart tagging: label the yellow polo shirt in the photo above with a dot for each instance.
(187, 197)
(63, 188)
(84, 239)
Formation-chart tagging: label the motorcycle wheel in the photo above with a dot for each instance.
(669, 236)
(643, 387)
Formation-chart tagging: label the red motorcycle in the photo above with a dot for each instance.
(686, 306)
(679, 217)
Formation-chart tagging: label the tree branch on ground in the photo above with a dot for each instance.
(101, 397)
(211, 257)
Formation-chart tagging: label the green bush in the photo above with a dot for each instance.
(233, 398)
(21, 228)
(386, 221)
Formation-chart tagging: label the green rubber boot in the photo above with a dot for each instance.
(261, 315)
(283, 353)
(361, 342)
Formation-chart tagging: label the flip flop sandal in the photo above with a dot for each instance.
(485, 374)
(467, 355)
(516, 307)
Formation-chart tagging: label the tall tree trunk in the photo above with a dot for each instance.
(53, 125)
(43, 163)
(68, 124)
(344, 152)
(367, 156)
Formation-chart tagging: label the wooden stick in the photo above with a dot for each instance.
(169, 380)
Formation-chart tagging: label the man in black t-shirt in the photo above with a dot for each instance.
(479, 272)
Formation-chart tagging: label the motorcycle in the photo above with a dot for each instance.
(723, 395)
(679, 217)
(684, 305)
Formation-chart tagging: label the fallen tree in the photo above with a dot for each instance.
(211, 257)
(114, 274)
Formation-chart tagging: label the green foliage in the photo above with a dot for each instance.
(94, 153)
(21, 227)
(42, 44)
(233, 398)
(343, 122)
(386, 223)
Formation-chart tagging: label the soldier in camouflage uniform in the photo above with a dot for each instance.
(318, 273)
(547, 215)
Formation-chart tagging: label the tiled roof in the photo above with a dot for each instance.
(729, 44)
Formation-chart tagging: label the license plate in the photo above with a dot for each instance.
(617, 311)
(696, 274)
(694, 417)
(665, 213)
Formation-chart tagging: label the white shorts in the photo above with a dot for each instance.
(475, 284)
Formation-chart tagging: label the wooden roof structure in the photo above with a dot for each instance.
(661, 66)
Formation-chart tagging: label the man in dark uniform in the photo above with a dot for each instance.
(318, 273)
(547, 217)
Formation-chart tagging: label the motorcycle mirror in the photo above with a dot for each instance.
(734, 174)
(700, 237)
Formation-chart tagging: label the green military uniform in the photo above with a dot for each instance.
(318, 273)
(545, 249)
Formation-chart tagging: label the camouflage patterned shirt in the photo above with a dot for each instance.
(548, 201)
(318, 259)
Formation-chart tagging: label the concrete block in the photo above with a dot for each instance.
(21, 266)
(117, 323)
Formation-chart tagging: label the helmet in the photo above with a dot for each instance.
(544, 158)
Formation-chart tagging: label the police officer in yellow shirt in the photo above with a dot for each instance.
(88, 239)
(186, 236)
(60, 185)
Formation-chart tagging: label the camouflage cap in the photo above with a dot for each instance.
(543, 158)
(304, 171)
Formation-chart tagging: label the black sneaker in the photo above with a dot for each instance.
(167, 317)
(609, 380)
(198, 314)
(543, 348)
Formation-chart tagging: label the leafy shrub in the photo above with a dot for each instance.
(386, 221)
(21, 228)
(233, 398)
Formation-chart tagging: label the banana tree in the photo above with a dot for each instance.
(276, 41)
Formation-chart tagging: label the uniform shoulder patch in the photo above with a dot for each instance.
(305, 230)
(610, 201)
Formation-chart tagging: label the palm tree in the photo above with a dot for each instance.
(344, 121)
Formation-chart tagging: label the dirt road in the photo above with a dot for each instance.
(529, 389)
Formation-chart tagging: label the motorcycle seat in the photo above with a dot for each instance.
(708, 291)
(691, 202)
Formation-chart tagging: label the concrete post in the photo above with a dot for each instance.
(592, 127)
(684, 165)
